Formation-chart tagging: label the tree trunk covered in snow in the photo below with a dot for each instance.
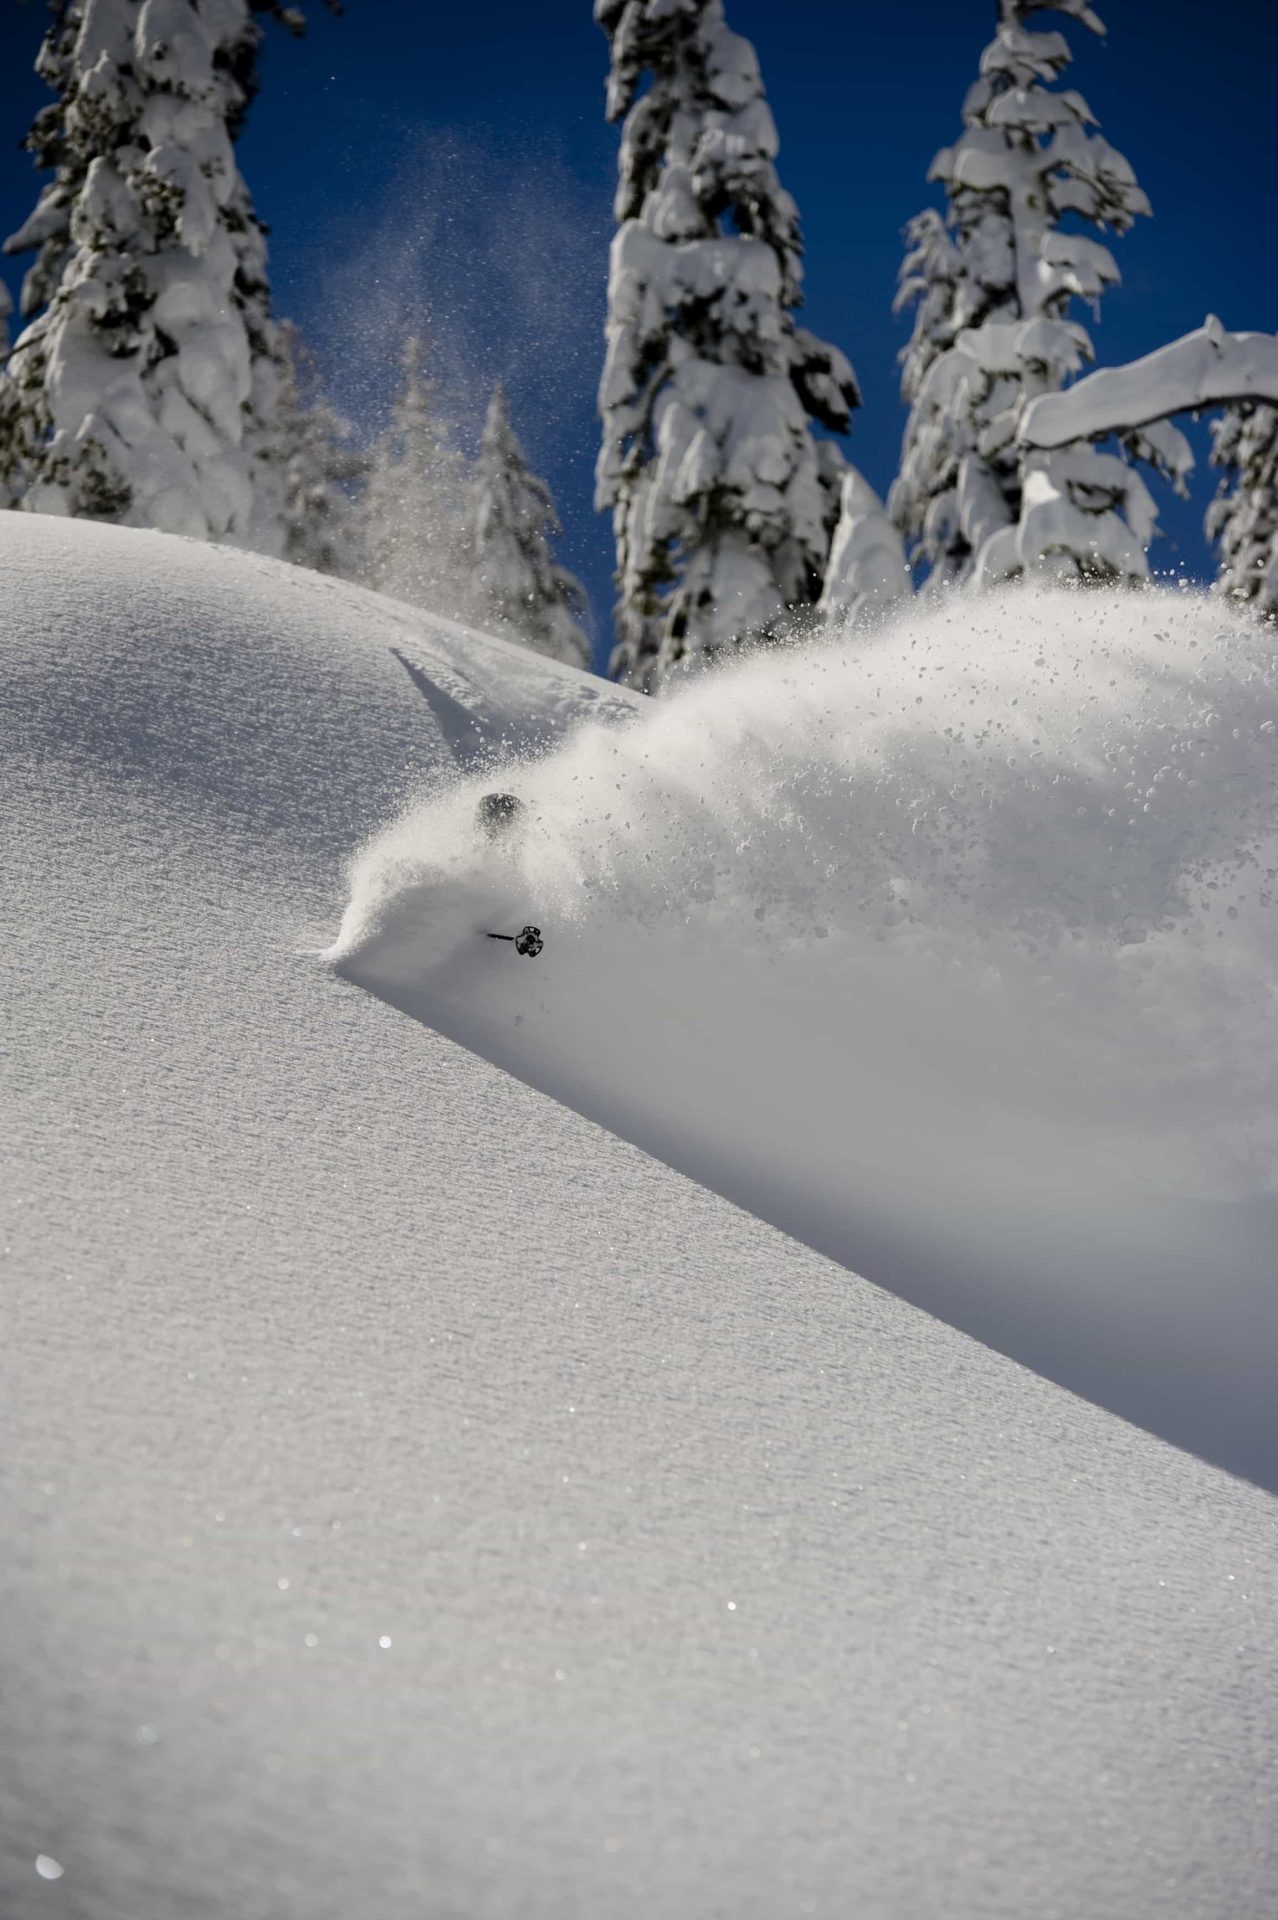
(723, 502)
(145, 388)
(530, 596)
(993, 285)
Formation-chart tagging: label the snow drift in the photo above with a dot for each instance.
(949, 948)
(415, 1501)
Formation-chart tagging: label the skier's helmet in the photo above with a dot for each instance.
(497, 813)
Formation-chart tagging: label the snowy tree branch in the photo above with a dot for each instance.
(1209, 367)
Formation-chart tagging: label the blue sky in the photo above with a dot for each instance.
(417, 161)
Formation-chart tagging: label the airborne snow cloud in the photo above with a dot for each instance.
(497, 256)
(1045, 819)
(948, 948)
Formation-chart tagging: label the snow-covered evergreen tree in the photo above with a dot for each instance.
(922, 500)
(867, 572)
(992, 286)
(723, 502)
(415, 516)
(319, 467)
(1243, 519)
(530, 596)
(144, 388)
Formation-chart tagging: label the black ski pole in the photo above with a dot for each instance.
(527, 941)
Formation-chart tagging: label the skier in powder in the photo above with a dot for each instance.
(497, 813)
(496, 817)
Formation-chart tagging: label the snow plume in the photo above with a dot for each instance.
(498, 252)
(415, 533)
(493, 260)
(950, 950)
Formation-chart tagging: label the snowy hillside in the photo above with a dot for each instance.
(949, 951)
(418, 1501)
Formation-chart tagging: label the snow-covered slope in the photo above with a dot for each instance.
(418, 1502)
(948, 949)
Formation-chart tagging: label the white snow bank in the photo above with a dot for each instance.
(950, 950)
(416, 1501)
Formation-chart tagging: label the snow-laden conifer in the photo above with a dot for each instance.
(723, 503)
(415, 531)
(144, 388)
(530, 596)
(867, 573)
(993, 288)
(922, 500)
(1243, 519)
(318, 468)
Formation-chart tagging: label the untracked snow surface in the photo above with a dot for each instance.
(418, 1502)
(949, 949)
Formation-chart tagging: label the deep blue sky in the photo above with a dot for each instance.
(451, 162)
